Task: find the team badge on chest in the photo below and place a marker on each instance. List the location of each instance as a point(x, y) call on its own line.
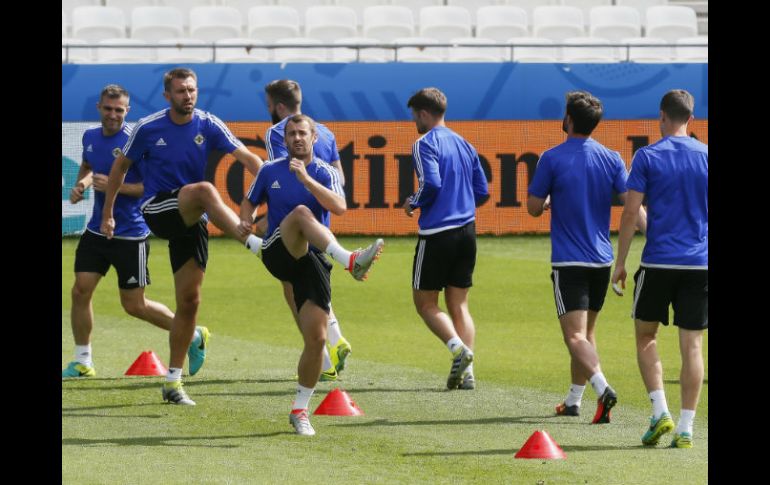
point(199, 139)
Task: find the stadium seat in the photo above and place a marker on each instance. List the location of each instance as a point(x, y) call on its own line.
point(529, 49)
point(615, 23)
point(128, 6)
point(586, 5)
point(641, 6)
point(692, 54)
point(185, 6)
point(68, 6)
point(529, 5)
point(182, 50)
point(359, 6)
point(501, 22)
point(671, 22)
point(415, 6)
point(255, 53)
point(388, 22)
point(299, 54)
point(598, 50)
point(270, 22)
point(557, 23)
point(330, 22)
point(371, 54)
point(471, 6)
point(124, 55)
point(419, 54)
point(445, 23)
point(477, 54)
point(244, 6)
point(155, 23)
point(215, 22)
point(654, 50)
point(301, 6)
point(72, 54)
point(93, 24)
point(64, 25)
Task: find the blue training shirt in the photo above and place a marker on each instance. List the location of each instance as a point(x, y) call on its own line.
point(581, 176)
point(280, 188)
point(451, 181)
point(170, 155)
point(99, 152)
point(673, 173)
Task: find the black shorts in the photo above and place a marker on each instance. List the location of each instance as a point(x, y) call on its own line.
point(310, 275)
point(164, 220)
point(579, 288)
point(96, 253)
point(686, 290)
point(444, 259)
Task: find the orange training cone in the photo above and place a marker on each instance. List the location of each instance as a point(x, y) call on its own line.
point(338, 403)
point(541, 445)
point(147, 364)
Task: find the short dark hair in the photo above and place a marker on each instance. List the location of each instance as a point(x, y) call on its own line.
point(431, 100)
point(298, 118)
point(678, 105)
point(113, 91)
point(585, 110)
point(286, 92)
point(178, 73)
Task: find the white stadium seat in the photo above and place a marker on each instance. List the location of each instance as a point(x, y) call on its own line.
point(155, 23)
point(416, 5)
point(72, 54)
point(68, 6)
point(243, 6)
point(586, 5)
point(254, 53)
point(185, 6)
point(128, 6)
point(477, 54)
point(501, 22)
point(472, 6)
point(299, 54)
point(183, 50)
point(615, 23)
point(215, 22)
point(371, 54)
point(359, 6)
point(529, 5)
point(445, 23)
point(301, 6)
point(419, 54)
point(124, 55)
point(330, 22)
point(388, 22)
point(596, 50)
point(692, 54)
point(641, 6)
point(557, 23)
point(64, 25)
point(654, 50)
point(271, 22)
point(671, 22)
point(533, 49)
point(93, 24)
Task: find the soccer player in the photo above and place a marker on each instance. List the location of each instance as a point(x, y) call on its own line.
point(577, 180)
point(127, 251)
point(284, 100)
point(299, 190)
point(451, 185)
point(171, 148)
point(673, 174)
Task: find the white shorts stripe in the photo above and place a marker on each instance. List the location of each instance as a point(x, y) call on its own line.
point(418, 264)
point(142, 265)
point(639, 284)
point(557, 294)
point(273, 237)
point(166, 205)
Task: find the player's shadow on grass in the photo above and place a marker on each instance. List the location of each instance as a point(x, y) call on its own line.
point(513, 451)
point(169, 440)
point(676, 381)
point(131, 384)
point(439, 422)
point(359, 390)
point(76, 412)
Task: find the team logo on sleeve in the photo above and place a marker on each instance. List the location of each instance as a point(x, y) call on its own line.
point(90, 148)
point(116, 152)
point(199, 139)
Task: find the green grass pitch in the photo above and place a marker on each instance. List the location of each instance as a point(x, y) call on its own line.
point(116, 429)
